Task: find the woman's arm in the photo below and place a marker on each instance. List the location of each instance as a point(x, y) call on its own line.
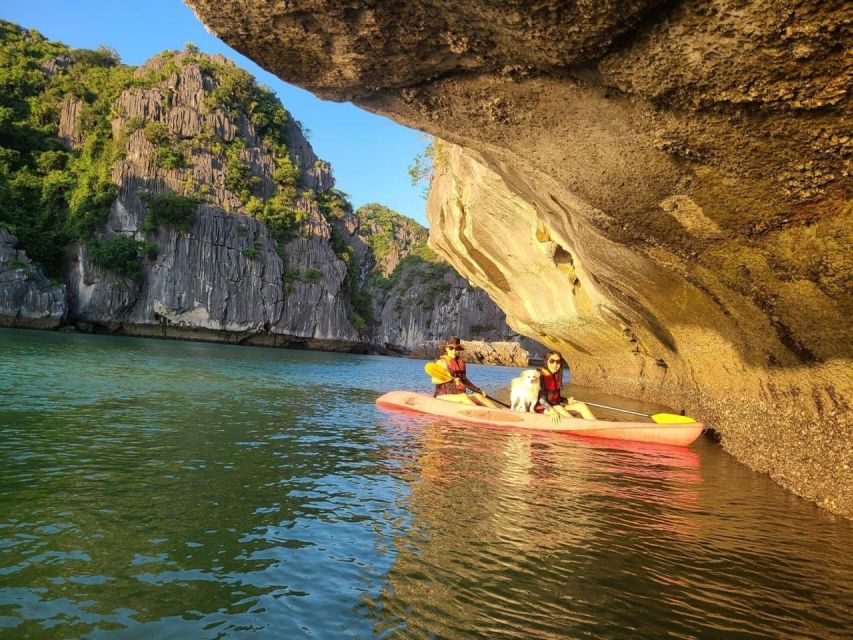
point(543, 399)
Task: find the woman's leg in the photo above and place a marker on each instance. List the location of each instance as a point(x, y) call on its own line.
point(479, 398)
point(460, 398)
point(581, 408)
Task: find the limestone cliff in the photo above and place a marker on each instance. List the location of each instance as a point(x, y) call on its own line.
point(660, 189)
point(27, 298)
point(226, 277)
point(415, 298)
point(180, 199)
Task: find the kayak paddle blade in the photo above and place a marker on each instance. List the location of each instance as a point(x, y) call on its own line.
point(671, 418)
point(437, 373)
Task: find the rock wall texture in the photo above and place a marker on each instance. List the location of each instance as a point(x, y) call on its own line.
point(659, 189)
point(426, 305)
point(417, 302)
point(271, 253)
point(225, 278)
point(27, 298)
point(508, 354)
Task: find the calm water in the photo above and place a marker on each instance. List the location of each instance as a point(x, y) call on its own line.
point(156, 489)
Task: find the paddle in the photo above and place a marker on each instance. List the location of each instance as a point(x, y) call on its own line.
point(440, 375)
point(660, 418)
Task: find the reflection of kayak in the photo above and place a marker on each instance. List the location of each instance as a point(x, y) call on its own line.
point(676, 434)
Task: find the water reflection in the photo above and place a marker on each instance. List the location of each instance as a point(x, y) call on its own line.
point(165, 489)
point(530, 535)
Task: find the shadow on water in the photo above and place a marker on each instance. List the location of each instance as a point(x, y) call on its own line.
point(166, 489)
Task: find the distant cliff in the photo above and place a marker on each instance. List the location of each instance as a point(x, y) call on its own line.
point(180, 199)
point(410, 297)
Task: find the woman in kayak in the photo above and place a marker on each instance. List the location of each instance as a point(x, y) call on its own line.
point(550, 385)
point(455, 390)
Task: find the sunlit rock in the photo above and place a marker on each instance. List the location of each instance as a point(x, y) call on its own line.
point(660, 190)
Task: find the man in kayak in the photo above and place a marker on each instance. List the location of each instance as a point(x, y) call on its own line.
point(551, 403)
point(455, 390)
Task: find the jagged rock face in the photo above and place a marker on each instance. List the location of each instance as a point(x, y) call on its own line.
point(418, 303)
point(223, 279)
point(425, 306)
point(661, 190)
point(27, 297)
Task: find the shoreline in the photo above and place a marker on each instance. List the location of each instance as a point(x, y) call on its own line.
point(252, 339)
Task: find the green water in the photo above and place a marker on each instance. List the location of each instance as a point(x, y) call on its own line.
point(158, 489)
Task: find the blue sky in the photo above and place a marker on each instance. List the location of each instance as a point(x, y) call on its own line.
point(370, 155)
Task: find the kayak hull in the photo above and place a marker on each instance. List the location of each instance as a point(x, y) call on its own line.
point(669, 434)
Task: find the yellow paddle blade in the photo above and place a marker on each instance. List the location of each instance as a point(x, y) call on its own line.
point(671, 418)
point(437, 373)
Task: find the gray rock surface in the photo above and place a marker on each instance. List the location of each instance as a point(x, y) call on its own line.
point(425, 307)
point(225, 278)
point(27, 297)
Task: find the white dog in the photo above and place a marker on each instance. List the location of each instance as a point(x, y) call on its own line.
point(525, 390)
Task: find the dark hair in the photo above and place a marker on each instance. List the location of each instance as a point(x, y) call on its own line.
point(554, 353)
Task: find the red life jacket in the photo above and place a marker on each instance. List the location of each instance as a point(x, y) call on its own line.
point(551, 385)
point(456, 366)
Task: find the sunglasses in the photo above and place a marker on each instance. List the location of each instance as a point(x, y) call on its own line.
point(450, 348)
point(552, 361)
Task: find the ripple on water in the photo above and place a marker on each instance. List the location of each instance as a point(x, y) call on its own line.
point(160, 489)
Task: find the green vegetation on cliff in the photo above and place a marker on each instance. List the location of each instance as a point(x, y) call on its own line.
point(50, 196)
point(171, 210)
point(122, 254)
point(238, 94)
point(387, 231)
point(58, 190)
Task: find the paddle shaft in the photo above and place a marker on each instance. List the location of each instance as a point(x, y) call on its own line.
point(505, 406)
point(478, 390)
point(605, 406)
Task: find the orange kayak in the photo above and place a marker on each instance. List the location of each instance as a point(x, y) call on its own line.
point(670, 434)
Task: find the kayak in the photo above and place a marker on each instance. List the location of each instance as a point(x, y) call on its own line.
point(671, 434)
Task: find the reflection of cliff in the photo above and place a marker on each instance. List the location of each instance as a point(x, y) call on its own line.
point(673, 177)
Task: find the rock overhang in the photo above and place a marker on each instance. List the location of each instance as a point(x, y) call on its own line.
point(674, 176)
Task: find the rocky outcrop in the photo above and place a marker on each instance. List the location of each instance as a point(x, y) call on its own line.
point(69, 122)
point(508, 354)
point(416, 298)
point(659, 189)
point(225, 278)
point(27, 298)
point(428, 302)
